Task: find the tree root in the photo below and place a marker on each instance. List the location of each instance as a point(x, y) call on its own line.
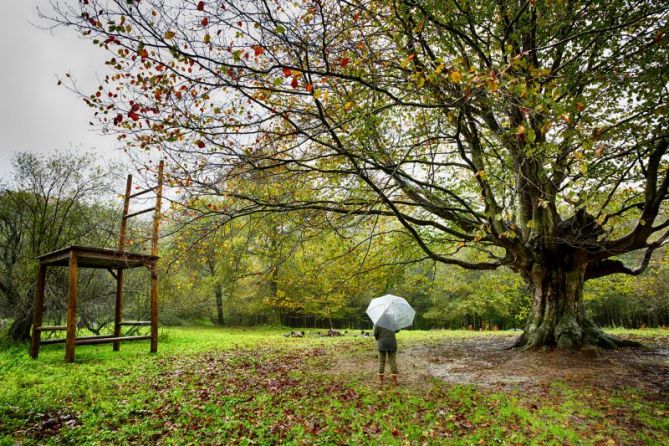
point(592, 337)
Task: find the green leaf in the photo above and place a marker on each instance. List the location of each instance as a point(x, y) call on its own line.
point(530, 135)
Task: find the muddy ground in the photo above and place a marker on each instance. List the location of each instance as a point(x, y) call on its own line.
point(487, 362)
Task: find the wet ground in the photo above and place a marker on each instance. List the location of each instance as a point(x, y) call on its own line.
point(487, 361)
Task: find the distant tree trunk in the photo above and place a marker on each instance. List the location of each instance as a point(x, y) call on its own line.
point(219, 305)
point(274, 292)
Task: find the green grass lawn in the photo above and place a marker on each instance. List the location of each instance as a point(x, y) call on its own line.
point(218, 386)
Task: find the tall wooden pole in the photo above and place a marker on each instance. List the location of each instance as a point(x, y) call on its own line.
point(39, 311)
point(154, 263)
point(124, 219)
point(71, 308)
point(154, 306)
point(118, 309)
point(156, 218)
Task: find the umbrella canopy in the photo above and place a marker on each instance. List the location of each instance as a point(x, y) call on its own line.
point(391, 312)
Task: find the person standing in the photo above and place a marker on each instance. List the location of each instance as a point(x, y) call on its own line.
point(386, 344)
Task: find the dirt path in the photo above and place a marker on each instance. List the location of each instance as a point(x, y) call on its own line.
point(486, 362)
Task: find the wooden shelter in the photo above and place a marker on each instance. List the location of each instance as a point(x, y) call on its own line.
point(114, 261)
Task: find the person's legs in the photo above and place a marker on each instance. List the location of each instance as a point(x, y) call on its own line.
point(382, 365)
point(392, 361)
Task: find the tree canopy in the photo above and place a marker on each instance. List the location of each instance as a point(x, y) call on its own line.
point(530, 134)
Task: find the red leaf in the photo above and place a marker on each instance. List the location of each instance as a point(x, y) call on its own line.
point(118, 119)
point(134, 116)
point(200, 6)
point(294, 84)
point(205, 21)
point(200, 144)
point(345, 61)
point(287, 71)
point(257, 50)
point(309, 88)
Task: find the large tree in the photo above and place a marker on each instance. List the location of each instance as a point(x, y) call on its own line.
point(527, 134)
point(51, 201)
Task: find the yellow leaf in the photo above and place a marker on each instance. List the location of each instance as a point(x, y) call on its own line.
point(207, 38)
point(455, 77)
point(169, 35)
point(317, 94)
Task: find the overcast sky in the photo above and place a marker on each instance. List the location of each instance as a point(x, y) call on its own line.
point(35, 114)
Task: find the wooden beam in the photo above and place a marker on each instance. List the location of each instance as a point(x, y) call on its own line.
point(113, 339)
point(111, 271)
point(145, 191)
point(62, 340)
point(52, 328)
point(143, 211)
point(101, 339)
point(39, 311)
point(71, 308)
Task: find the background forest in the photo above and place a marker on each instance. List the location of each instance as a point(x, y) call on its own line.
point(291, 269)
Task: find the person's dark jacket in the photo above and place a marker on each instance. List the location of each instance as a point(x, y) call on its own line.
point(385, 339)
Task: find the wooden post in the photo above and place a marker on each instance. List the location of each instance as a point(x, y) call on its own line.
point(39, 311)
point(118, 309)
point(124, 218)
point(154, 306)
point(154, 263)
point(71, 307)
point(156, 218)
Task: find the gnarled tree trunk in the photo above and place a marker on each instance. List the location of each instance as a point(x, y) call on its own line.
point(558, 317)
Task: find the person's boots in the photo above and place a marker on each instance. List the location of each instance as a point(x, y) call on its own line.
point(380, 375)
point(393, 379)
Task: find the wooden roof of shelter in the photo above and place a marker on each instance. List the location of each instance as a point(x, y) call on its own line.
point(97, 258)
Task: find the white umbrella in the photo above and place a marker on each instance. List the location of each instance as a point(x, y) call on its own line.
point(391, 312)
